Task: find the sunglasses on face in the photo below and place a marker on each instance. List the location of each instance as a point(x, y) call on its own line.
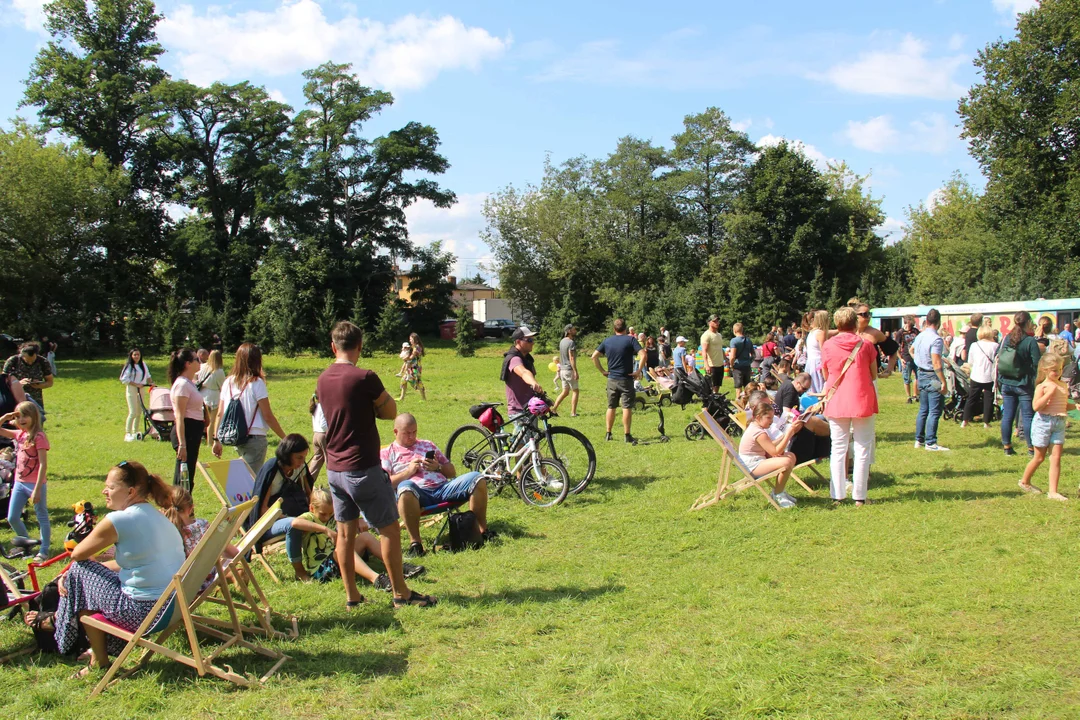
point(863, 314)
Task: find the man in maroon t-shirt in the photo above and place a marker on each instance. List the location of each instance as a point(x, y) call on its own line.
point(351, 400)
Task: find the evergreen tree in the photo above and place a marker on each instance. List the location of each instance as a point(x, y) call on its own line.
point(390, 329)
point(466, 336)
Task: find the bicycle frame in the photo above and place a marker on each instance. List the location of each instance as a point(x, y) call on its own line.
point(527, 451)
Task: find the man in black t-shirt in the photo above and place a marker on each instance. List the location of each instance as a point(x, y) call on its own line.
point(971, 335)
point(904, 337)
point(620, 349)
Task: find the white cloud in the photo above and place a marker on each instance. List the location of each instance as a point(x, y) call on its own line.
point(405, 54)
point(904, 71)
point(459, 228)
point(931, 134)
point(875, 135)
point(278, 96)
point(892, 230)
point(820, 160)
point(1014, 7)
point(31, 14)
point(956, 42)
point(742, 125)
point(935, 198)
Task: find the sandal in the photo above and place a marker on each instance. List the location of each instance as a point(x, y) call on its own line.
point(860, 503)
point(352, 604)
point(416, 599)
point(84, 671)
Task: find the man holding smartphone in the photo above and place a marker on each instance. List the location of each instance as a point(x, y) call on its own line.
point(423, 476)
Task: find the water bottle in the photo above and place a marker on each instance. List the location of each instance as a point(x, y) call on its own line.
point(184, 474)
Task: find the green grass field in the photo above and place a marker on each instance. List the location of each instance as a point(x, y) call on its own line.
point(955, 597)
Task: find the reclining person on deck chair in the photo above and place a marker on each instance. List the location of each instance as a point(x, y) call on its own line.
point(422, 476)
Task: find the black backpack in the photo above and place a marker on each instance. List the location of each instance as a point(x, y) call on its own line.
point(234, 426)
point(463, 532)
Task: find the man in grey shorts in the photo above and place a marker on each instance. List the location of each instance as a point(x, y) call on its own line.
point(568, 371)
point(620, 349)
point(351, 400)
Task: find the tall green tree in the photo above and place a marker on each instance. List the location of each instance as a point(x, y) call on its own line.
point(430, 288)
point(710, 159)
point(1022, 122)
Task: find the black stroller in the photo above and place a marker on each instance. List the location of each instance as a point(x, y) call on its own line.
point(689, 386)
point(959, 383)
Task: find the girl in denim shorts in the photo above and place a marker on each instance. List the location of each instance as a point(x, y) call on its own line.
point(1050, 403)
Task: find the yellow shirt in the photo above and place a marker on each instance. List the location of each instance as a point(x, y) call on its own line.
point(713, 344)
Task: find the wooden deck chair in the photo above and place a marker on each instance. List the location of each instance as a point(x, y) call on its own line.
point(254, 599)
point(233, 481)
point(175, 608)
point(739, 418)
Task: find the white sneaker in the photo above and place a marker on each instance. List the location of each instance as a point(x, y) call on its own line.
point(128, 437)
point(792, 500)
point(937, 448)
point(918, 444)
point(782, 501)
point(555, 485)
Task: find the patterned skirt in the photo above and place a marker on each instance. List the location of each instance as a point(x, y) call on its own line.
point(94, 587)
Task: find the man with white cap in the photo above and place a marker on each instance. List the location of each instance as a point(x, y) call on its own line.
point(568, 370)
point(519, 371)
point(678, 355)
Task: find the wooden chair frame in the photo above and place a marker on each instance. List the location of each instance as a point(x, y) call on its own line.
point(182, 592)
point(207, 472)
point(243, 579)
point(739, 419)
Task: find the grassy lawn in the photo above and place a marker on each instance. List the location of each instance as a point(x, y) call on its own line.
point(950, 599)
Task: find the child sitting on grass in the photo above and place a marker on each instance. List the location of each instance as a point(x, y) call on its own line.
point(318, 561)
point(1051, 402)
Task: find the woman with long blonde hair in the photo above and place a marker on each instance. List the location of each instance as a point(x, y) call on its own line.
point(815, 339)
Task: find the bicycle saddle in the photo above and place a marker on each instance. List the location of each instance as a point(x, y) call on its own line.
point(477, 410)
point(24, 542)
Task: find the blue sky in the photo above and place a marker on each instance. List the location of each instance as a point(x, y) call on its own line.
point(874, 84)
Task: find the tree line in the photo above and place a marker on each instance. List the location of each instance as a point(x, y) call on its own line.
point(711, 224)
point(172, 211)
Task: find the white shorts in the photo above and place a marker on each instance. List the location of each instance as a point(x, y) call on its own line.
point(567, 375)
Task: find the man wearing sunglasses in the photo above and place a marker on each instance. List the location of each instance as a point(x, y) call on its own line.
point(519, 371)
point(32, 371)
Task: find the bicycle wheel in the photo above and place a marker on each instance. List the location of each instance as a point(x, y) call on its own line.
point(466, 446)
point(575, 452)
point(545, 486)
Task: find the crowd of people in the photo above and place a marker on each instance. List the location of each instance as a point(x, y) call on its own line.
point(831, 361)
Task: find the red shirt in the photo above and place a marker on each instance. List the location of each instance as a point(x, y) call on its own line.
point(347, 395)
point(855, 397)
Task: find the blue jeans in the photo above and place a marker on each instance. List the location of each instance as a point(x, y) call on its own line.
point(930, 405)
point(458, 489)
point(907, 368)
point(1011, 397)
point(20, 495)
point(294, 541)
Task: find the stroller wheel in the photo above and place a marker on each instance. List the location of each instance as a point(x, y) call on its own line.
point(664, 439)
point(694, 431)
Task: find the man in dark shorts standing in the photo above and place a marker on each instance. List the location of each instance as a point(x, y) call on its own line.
point(351, 400)
point(741, 356)
point(620, 349)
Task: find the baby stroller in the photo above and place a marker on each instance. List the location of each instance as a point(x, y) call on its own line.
point(958, 385)
point(695, 385)
point(158, 418)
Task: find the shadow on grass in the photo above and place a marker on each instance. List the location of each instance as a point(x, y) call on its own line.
point(951, 495)
point(375, 614)
point(527, 595)
point(637, 482)
point(513, 530)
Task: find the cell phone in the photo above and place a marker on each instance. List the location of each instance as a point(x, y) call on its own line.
point(430, 455)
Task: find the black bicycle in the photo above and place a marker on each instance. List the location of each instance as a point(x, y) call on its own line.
point(565, 444)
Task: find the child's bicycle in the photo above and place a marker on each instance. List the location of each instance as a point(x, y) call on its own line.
point(511, 459)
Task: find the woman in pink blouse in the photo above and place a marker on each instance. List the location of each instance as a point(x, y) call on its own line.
point(189, 423)
point(851, 409)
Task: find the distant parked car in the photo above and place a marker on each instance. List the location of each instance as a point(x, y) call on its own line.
point(448, 329)
point(500, 328)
